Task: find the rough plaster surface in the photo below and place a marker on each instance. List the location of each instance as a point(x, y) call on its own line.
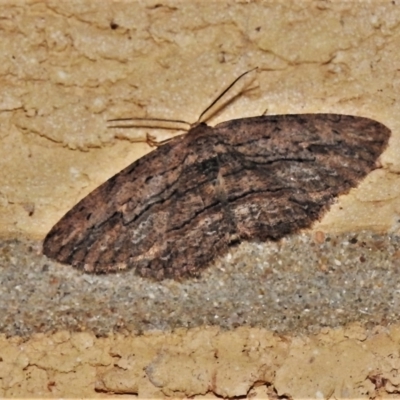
point(204, 363)
point(67, 67)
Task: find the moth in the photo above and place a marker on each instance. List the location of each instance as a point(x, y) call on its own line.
point(173, 211)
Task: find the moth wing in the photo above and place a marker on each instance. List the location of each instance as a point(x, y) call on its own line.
point(91, 235)
point(150, 216)
point(282, 172)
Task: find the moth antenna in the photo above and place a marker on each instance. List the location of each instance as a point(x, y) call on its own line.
point(222, 94)
point(150, 123)
point(147, 123)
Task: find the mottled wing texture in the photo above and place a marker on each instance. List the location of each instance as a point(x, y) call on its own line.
point(161, 215)
point(283, 172)
point(169, 214)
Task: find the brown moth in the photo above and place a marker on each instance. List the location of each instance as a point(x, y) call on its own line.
point(173, 211)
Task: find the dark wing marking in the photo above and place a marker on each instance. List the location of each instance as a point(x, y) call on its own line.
point(289, 168)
